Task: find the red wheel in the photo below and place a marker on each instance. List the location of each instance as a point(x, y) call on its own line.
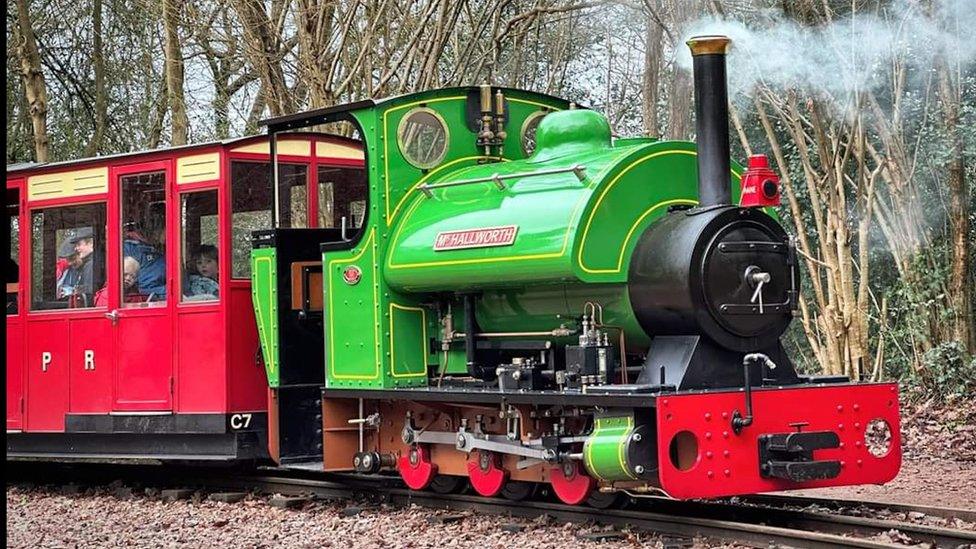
point(570, 483)
point(486, 473)
point(416, 468)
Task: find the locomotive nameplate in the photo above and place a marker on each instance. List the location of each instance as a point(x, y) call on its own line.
point(487, 237)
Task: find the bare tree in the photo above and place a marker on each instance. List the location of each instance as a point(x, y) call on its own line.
point(179, 121)
point(652, 68)
point(35, 87)
point(960, 282)
point(101, 93)
point(680, 89)
point(265, 50)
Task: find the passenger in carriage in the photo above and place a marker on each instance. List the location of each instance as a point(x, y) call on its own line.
point(130, 292)
point(84, 286)
point(203, 285)
point(68, 270)
point(152, 263)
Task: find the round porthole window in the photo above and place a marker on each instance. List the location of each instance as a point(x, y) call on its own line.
point(528, 131)
point(422, 137)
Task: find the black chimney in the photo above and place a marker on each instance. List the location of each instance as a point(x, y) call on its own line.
point(712, 119)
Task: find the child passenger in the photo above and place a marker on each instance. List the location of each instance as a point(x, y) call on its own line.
point(203, 284)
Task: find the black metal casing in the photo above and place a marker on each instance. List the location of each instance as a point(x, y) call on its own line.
point(688, 277)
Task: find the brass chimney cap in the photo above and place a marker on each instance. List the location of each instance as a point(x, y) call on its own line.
point(705, 45)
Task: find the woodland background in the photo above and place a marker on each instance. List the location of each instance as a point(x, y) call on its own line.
point(867, 108)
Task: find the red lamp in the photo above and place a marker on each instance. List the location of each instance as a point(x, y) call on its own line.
point(759, 184)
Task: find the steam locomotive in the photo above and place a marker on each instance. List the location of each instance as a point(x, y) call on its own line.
point(525, 300)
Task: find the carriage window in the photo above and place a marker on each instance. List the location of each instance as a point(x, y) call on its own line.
point(12, 275)
point(198, 245)
point(143, 257)
point(342, 194)
point(251, 200)
point(67, 257)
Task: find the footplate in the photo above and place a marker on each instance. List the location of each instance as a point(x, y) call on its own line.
point(789, 456)
point(806, 437)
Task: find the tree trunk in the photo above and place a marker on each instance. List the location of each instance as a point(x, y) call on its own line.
point(652, 68)
point(35, 88)
point(101, 95)
point(263, 51)
point(959, 280)
point(174, 73)
point(680, 92)
point(315, 25)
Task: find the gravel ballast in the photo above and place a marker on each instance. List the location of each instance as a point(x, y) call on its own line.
point(45, 517)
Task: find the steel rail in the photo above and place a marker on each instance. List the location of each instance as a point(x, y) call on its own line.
point(753, 523)
point(720, 521)
point(801, 500)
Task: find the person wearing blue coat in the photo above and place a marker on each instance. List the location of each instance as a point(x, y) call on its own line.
point(152, 272)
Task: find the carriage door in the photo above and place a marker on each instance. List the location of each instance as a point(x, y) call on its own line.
point(140, 303)
point(15, 314)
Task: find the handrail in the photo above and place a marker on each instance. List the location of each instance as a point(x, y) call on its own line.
point(499, 180)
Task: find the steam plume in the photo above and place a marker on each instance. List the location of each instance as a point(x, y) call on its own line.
point(854, 53)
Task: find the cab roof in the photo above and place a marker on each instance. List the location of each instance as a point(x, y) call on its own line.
point(324, 115)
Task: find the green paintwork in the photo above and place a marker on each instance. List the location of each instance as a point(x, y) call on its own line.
point(544, 307)
point(568, 230)
point(377, 336)
point(264, 298)
point(573, 243)
point(571, 234)
point(604, 452)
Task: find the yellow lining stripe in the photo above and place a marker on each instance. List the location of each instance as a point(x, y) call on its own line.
point(434, 172)
point(423, 341)
point(588, 450)
point(569, 229)
point(606, 190)
point(368, 244)
point(534, 103)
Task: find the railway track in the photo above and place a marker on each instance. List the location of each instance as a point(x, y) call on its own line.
point(760, 521)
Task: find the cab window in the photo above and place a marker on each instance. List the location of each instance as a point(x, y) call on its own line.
point(200, 259)
point(67, 257)
point(251, 205)
point(342, 195)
